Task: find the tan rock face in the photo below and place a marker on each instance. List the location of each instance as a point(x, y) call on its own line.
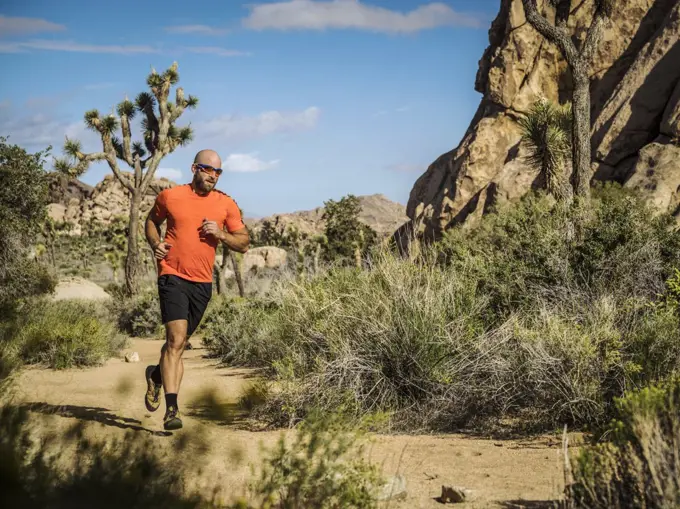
point(657, 174)
point(103, 203)
point(630, 118)
point(670, 125)
point(635, 89)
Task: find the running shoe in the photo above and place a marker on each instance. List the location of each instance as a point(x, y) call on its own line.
point(172, 419)
point(152, 398)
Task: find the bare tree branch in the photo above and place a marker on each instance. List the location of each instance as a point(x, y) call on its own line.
point(595, 33)
point(127, 142)
point(556, 35)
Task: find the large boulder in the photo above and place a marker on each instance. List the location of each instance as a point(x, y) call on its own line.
point(635, 78)
point(264, 257)
point(79, 288)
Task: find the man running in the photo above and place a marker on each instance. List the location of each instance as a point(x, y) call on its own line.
point(197, 216)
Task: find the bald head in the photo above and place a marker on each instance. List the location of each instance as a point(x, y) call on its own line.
point(209, 157)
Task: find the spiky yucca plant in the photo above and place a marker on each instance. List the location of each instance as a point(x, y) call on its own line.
point(160, 137)
point(546, 134)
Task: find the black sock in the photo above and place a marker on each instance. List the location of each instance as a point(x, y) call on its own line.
point(171, 400)
point(156, 376)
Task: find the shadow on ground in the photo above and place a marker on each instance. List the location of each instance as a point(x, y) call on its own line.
point(530, 504)
point(93, 414)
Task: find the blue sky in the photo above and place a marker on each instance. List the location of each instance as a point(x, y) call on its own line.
point(304, 100)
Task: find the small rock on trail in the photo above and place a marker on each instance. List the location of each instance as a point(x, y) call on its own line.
point(454, 495)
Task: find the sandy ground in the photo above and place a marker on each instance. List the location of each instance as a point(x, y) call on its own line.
point(109, 401)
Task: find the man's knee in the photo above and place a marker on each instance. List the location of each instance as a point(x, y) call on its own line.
point(175, 344)
point(176, 337)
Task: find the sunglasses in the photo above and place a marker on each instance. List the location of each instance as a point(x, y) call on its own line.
point(206, 168)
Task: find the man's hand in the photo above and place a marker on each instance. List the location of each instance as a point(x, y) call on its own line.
point(211, 228)
point(161, 250)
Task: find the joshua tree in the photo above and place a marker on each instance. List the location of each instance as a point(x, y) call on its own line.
point(115, 235)
point(546, 134)
point(51, 232)
point(577, 59)
point(161, 137)
point(318, 243)
point(218, 270)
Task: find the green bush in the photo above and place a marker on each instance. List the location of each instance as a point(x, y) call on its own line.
point(23, 208)
point(138, 316)
point(615, 244)
point(639, 464)
point(502, 321)
point(235, 329)
point(314, 471)
point(61, 334)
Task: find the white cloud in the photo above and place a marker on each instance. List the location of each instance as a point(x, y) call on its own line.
point(270, 122)
point(169, 173)
point(247, 163)
point(344, 14)
point(196, 29)
point(23, 26)
point(40, 44)
point(220, 52)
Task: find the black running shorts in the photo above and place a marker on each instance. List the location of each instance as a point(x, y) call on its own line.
point(183, 300)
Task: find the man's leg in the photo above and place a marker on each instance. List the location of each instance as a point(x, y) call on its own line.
point(174, 304)
point(172, 367)
point(172, 370)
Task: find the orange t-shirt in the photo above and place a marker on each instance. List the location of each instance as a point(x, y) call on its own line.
point(190, 255)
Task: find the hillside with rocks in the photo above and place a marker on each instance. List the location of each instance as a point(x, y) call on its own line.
point(635, 112)
point(76, 202)
point(377, 211)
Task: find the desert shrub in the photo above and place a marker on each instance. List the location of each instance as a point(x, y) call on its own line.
point(321, 468)
point(615, 244)
point(62, 334)
point(23, 208)
point(508, 321)
point(639, 464)
point(412, 341)
point(138, 316)
point(236, 330)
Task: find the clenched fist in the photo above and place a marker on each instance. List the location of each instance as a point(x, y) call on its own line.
point(210, 228)
point(161, 250)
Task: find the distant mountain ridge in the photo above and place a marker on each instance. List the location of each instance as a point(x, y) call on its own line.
point(77, 202)
point(378, 212)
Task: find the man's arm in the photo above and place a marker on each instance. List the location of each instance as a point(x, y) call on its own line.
point(152, 229)
point(238, 241)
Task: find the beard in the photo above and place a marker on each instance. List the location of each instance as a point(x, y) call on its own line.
point(203, 186)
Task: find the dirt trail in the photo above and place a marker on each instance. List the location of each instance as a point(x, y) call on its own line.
point(109, 400)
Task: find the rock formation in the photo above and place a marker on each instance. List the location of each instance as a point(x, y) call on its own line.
point(78, 203)
point(635, 110)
